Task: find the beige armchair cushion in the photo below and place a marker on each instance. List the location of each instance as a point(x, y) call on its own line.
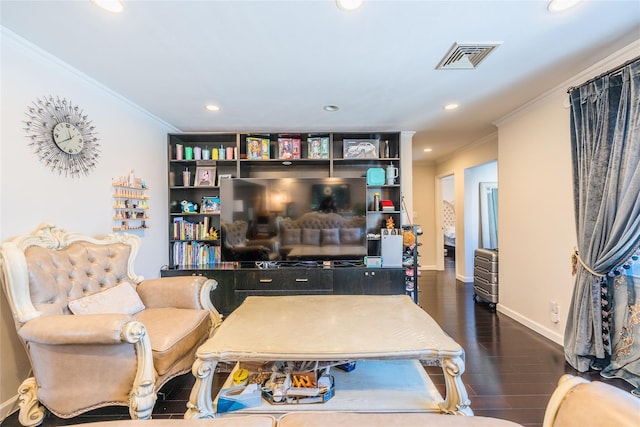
point(173, 332)
point(121, 298)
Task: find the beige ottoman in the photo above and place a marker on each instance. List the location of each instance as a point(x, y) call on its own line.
point(350, 419)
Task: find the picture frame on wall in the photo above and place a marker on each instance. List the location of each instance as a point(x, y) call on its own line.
point(205, 176)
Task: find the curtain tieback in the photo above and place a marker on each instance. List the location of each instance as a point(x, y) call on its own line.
point(575, 259)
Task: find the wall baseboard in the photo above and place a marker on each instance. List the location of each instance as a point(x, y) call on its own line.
point(9, 407)
point(465, 279)
point(534, 326)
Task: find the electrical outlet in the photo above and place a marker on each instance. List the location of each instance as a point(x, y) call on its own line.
point(554, 312)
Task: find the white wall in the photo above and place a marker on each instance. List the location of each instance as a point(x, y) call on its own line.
point(536, 214)
point(448, 189)
point(424, 212)
point(31, 194)
point(483, 151)
point(473, 176)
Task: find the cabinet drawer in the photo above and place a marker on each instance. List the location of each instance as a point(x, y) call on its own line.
point(368, 281)
point(290, 280)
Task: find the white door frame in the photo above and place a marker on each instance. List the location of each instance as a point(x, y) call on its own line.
point(439, 219)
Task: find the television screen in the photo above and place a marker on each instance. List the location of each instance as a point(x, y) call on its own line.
point(264, 202)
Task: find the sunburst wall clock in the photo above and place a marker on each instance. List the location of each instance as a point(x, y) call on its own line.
point(62, 137)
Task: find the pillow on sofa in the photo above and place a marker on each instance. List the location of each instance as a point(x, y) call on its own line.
point(310, 236)
point(350, 236)
point(291, 236)
point(121, 298)
point(330, 236)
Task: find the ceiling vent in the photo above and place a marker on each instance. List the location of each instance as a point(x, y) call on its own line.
point(466, 56)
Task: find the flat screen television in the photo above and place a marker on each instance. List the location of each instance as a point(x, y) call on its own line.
point(262, 202)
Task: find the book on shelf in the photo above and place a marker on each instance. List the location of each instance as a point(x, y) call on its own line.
point(186, 230)
point(387, 205)
point(195, 254)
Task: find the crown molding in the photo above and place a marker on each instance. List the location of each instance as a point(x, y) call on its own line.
point(7, 35)
point(626, 53)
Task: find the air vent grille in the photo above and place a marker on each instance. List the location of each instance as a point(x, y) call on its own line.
point(464, 56)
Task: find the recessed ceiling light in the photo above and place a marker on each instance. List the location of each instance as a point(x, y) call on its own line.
point(348, 4)
point(451, 106)
point(428, 150)
point(331, 108)
point(212, 107)
point(114, 6)
point(560, 5)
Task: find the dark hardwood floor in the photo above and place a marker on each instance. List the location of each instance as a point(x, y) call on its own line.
point(510, 370)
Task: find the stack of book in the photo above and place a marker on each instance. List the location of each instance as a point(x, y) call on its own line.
point(387, 206)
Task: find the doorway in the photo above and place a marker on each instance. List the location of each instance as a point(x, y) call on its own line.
point(448, 220)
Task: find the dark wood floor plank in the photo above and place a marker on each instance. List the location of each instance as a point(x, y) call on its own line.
point(510, 370)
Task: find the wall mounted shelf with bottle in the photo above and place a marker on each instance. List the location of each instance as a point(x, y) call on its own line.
point(130, 203)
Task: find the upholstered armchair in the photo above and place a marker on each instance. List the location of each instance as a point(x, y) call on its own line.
point(96, 333)
point(236, 246)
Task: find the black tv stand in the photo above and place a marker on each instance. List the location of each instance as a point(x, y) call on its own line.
point(237, 280)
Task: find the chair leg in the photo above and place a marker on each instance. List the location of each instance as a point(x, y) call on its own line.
point(142, 397)
point(141, 401)
point(31, 411)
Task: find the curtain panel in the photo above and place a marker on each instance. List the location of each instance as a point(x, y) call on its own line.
point(605, 143)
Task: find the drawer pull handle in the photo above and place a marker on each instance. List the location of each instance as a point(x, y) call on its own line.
point(302, 280)
point(266, 280)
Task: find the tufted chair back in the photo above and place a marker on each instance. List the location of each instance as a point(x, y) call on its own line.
point(81, 269)
point(235, 233)
point(320, 221)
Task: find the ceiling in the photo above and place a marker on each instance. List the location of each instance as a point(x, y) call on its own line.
point(274, 65)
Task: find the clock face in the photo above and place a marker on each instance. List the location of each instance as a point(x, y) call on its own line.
point(61, 136)
point(68, 138)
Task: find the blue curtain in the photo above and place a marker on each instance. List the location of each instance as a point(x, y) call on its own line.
point(605, 142)
point(624, 290)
